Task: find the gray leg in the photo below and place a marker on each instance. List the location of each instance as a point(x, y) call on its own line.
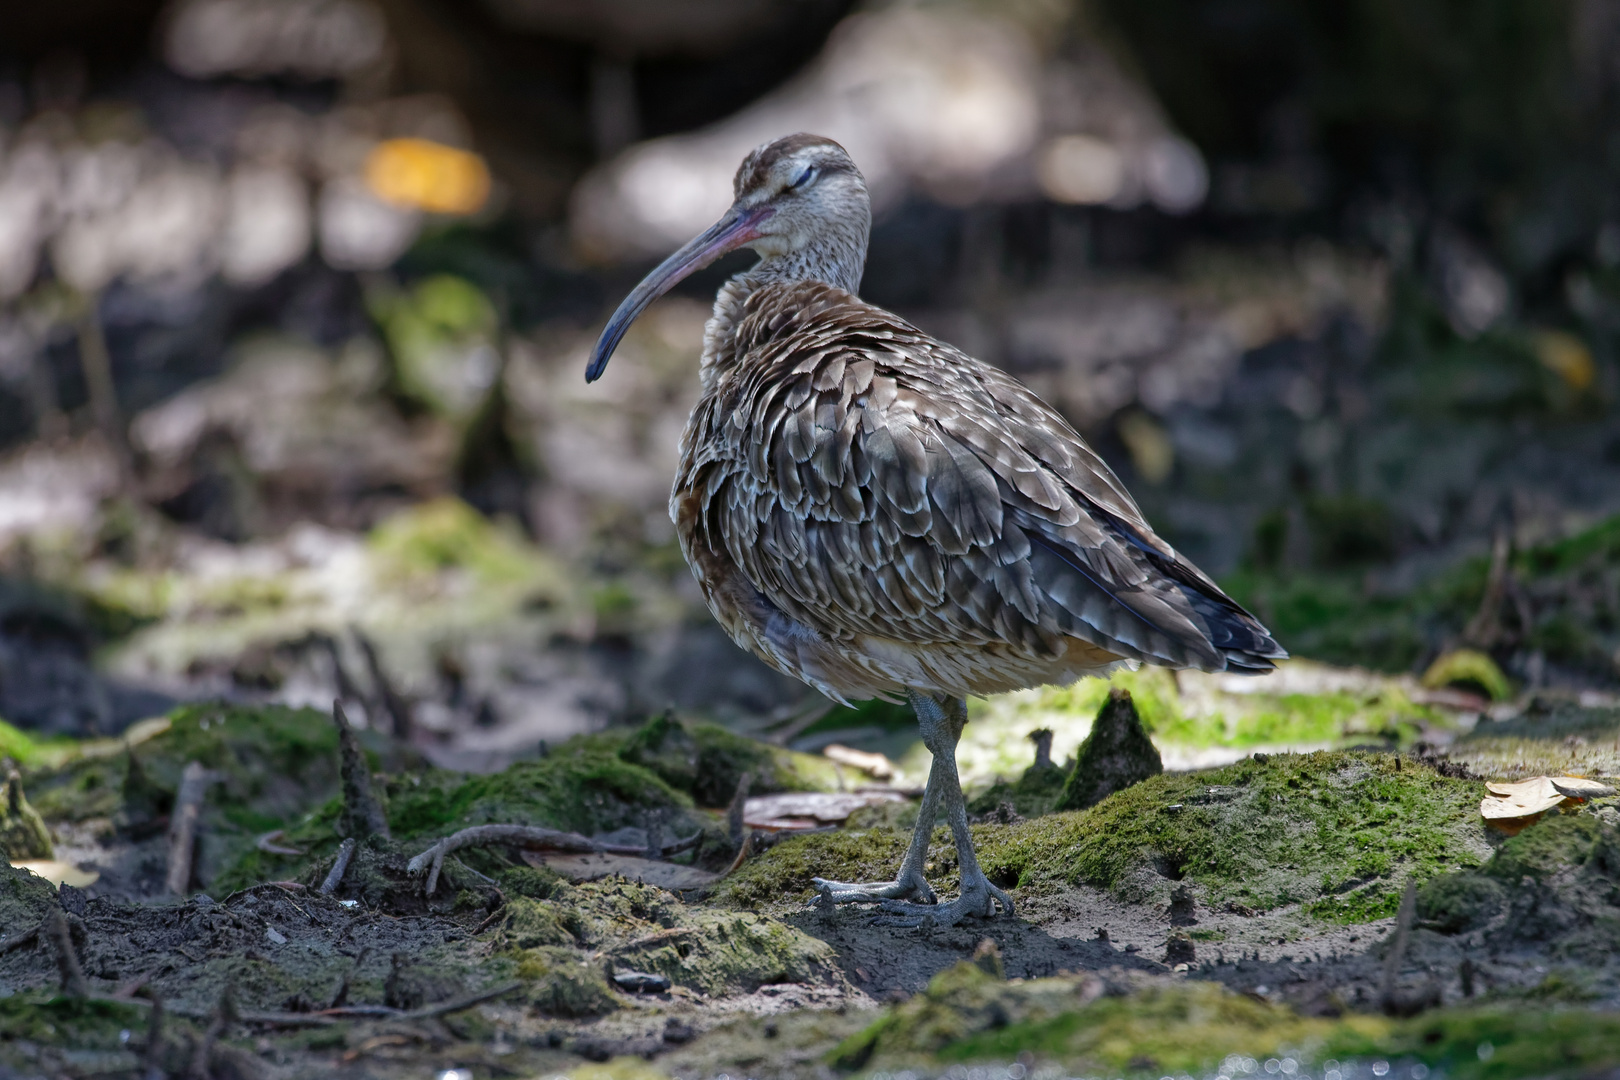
point(941, 730)
point(909, 883)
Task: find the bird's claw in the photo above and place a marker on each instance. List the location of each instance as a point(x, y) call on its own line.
point(979, 899)
point(905, 888)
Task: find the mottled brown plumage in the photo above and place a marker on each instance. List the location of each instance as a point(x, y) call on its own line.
point(878, 514)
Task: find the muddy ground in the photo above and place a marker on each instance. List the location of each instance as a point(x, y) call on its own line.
point(1248, 910)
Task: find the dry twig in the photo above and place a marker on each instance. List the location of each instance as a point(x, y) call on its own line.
point(340, 866)
point(525, 836)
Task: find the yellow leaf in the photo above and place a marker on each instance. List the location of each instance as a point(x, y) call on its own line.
point(1566, 356)
point(428, 176)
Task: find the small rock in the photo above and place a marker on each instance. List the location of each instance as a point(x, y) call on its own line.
point(1178, 949)
point(1261, 759)
point(640, 982)
point(276, 936)
point(678, 1032)
point(71, 899)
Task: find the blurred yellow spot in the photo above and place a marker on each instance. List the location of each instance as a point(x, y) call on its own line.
point(1566, 356)
point(1149, 446)
point(428, 176)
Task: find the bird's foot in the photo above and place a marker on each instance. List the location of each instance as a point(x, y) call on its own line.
point(907, 887)
point(979, 900)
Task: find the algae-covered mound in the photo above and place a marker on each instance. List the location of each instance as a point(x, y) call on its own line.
point(1107, 1025)
point(641, 928)
point(706, 761)
point(579, 787)
point(1557, 884)
point(1114, 756)
point(1337, 831)
point(1117, 1024)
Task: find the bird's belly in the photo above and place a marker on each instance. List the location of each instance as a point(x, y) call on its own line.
point(865, 665)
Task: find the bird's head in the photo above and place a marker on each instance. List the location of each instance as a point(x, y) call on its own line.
point(800, 202)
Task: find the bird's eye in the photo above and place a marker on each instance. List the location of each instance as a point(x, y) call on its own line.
point(805, 177)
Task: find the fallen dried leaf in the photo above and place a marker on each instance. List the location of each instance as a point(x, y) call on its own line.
point(877, 766)
point(1510, 807)
point(1578, 787)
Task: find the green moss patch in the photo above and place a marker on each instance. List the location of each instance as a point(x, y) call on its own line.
point(1556, 884)
point(1151, 1027)
point(706, 761)
point(784, 871)
point(614, 924)
point(1337, 831)
point(1161, 1027)
point(577, 787)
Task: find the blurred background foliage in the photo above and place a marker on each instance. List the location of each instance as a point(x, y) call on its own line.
point(293, 291)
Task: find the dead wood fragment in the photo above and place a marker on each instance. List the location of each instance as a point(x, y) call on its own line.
point(654, 940)
point(525, 836)
point(194, 783)
point(388, 699)
point(340, 866)
point(67, 958)
point(362, 816)
point(455, 1005)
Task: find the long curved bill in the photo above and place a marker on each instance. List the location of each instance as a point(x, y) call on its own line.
point(732, 231)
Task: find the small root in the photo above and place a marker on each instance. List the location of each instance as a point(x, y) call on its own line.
point(534, 837)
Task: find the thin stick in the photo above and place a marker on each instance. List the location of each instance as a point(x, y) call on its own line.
point(525, 836)
point(183, 826)
point(361, 814)
point(67, 960)
point(445, 1008)
point(340, 866)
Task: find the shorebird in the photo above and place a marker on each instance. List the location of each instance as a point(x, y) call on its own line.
point(880, 515)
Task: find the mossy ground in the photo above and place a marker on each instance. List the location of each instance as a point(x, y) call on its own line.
point(1330, 836)
point(1339, 832)
point(1126, 1026)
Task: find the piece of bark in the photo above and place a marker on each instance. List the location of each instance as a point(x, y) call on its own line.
point(362, 816)
point(183, 824)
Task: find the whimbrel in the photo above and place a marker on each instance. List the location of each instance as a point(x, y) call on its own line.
point(880, 515)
